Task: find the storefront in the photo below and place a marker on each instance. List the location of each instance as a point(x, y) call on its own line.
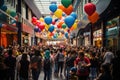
point(8, 35)
point(112, 33)
point(97, 38)
point(86, 38)
point(27, 34)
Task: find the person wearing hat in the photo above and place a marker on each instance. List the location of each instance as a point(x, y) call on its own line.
point(73, 75)
point(47, 65)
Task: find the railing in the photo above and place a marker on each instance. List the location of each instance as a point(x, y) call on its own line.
point(6, 18)
point(24, 21)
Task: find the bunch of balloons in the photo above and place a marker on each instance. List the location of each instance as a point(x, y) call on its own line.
point(90, 10)
point(61, 21)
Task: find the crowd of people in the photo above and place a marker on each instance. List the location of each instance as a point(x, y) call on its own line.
point(74, 63)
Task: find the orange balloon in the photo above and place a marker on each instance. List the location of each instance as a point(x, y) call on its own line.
point(72, 28)
point(68, 10)
point(60, 24)
point(61, 7)
point(94, 17)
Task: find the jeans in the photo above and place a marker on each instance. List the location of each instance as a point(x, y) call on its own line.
point(47, 74)
point(35, 74)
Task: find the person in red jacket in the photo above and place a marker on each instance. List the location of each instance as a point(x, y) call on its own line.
point(82, 63)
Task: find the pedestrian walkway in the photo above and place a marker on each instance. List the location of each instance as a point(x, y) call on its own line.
point(41, 77)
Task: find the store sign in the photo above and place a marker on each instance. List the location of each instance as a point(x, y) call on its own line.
point(86, 34)
point(27, 29)
point(97, 34)
point(112, 31)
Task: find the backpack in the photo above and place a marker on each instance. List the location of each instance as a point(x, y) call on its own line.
point(47, 64)
point(35, 61)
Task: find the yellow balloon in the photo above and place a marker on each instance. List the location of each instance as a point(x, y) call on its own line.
point(47, 27)
point(41, 19)
point(75, 26)
point(58, 13)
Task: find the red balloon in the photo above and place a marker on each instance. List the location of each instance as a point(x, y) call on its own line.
point(90, 8)
point(41, 26)
point(34, 18)
point(53, 22)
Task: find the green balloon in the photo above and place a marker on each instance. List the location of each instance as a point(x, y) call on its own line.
point(13, 13)
point(64, 26)
point(66, 3)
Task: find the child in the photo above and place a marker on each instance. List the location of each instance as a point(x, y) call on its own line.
point(73, 75)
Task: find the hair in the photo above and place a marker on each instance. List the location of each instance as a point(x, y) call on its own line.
point(81, 54)
point(37, 52)
point(24, 57)
point(10, 52)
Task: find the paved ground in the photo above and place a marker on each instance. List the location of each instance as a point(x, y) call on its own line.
point(60, 77)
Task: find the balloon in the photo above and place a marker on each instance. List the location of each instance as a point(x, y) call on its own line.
point(68, 10)
point(51, 34)
point(51, 28)
point(69, 21)
point(73, 14)
point(36, 29)
point(41, 19)
point(89, 8)
point(61, 7)
point(66, 3)
point(48, 20)
point(4, 7)
point(94, 17)
point(47, 27)
point(13, 13)
point(8, 11)
point(53, 22)
point(38, 23)
point(58, 13)
point(74, 26)
point(34, 18)
point(64, 26)
point(53, 7)
point(41, 26)
point(60, 24)
point(66, 35)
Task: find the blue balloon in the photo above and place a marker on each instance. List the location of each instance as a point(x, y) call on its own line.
point(51, 28)
point(53, 7)
point(36, 29)
point(54, 36)
point(48, 20)
point(69, 21)
point(4, 7)
point(66, 35)
point(73, 14)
